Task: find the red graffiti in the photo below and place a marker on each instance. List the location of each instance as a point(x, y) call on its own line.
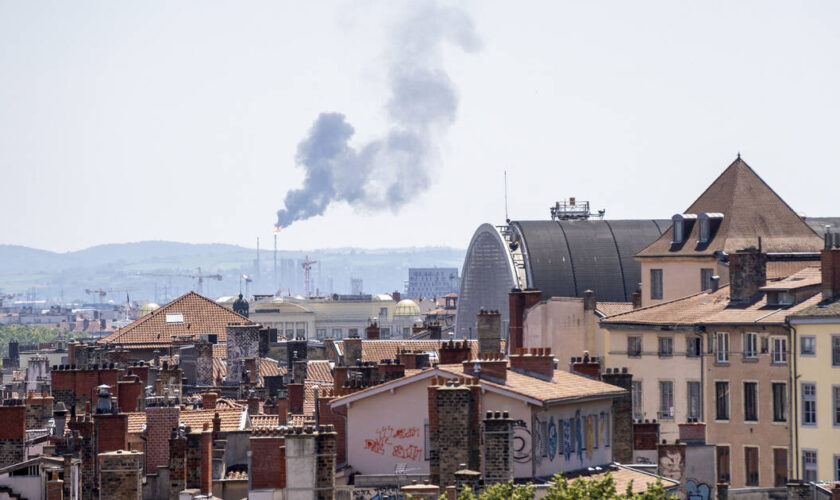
point(411, 453)
point(383, 439)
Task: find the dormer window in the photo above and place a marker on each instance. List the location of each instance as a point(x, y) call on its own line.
point(682, 226)
point(707, 221)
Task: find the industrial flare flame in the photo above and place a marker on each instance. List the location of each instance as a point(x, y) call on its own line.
point(277, 229)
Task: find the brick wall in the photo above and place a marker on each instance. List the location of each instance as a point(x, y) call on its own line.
point(295, 398)
point(453, 352)
point(489, 331)
point(206, 484)
point(830, 264)
point(518, 302)
point(111, 432)
point(622, 410)
point(177, 464)
point(493, 366)
point(159, 424)
point(55, 488)
point(12, 435)
point(328, 417)
point(454, 439)
point(645, 436)
point(498, 449)
point(268, 459)
point(86, 430)
point(39, 409)
point(122, 475)
point(325, 463)
point(352, 350)
point(128, 392)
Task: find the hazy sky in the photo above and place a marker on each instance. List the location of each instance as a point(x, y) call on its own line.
point(128, 121)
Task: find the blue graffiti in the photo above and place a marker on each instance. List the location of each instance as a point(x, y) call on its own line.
point(697, 491)
point(579, 435)
point(567, 439)
point(552, 439)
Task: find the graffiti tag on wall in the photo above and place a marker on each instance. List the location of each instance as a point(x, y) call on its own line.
point(387, 442)
point(564, 438)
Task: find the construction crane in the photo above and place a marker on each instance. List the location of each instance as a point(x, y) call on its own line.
point(307, 267)
point(197, 276)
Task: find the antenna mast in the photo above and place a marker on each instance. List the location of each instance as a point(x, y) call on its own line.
point(507, 219)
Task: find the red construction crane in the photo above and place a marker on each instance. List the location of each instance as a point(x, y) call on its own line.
point(199, 276)
point(307, 267)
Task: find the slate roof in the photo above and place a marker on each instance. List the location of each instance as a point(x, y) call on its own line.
point(750, 209)
point(201, 315)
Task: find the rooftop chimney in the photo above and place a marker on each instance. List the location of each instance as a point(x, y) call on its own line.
point(747, 274)
point(519, 301)
point(490, 366)
point(533, 361)
point(489, 331)
point(830, 261)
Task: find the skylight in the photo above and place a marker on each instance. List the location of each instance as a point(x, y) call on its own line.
point(174, 318)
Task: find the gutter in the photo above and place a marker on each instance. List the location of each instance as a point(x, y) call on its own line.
point(794, 428)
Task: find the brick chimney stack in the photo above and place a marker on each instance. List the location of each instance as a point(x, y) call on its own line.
point(830, 263)
point(519, 301)
point(295, 396)
point(489, 331)
point(454, 436)
point(622, 410)
point(747, 274)
point(352, 350)
point(454, 352)
point(534, 361)
point(490, 366)
point(208, 399)
point(267, 459)
point(372, 331)
point(591, 367)
point(498, 452)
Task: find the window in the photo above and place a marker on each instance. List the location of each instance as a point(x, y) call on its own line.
point(835, 350)
point(780, 468)
point(751, 462)
point(634, 346)
point(809, 465)
point(693, 346)
point(321, 333)
point(694, 400)
point(809, 403)
point(666, 399)
point(837, 467)
point(835, 404)
point(808, 346)
point(706, 279)
point(426, 440)
point(779, 350)
point(678, 230)
point(636, 392)
point(723, 464)
point(337, 333)
point(722, 400)
point(666, 346)
point(353, 332)
point(750, 345)
point(607, 419)
point(779, 402)
point(656, 284)
point(385, 332)
point(750, 401)
point(704, 230)
point(383, 314)
point(722, 347)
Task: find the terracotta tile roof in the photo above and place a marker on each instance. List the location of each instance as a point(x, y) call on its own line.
point(564, 385)
point(708, 308)
point(319, 371)
point(265, 421)
point(810, 276)
point(299, 420)
point(268, 367)
point(377, 350)
point(778, 269)
point(200, 315)
point(750, 209)
point(136, 421)
point(220, 351)
point(822, 309)
point(231, 418)
point(611, 308)
point(227, 404)
point(624, 475)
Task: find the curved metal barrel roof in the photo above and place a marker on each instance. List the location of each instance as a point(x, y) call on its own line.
point(565, 258)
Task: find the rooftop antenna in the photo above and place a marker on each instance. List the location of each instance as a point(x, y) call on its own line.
point(507, 219)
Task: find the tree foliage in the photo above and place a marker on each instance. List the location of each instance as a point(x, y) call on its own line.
point(30, 335)
point(580, 489)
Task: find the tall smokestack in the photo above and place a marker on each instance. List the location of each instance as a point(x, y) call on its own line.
point(388, 172)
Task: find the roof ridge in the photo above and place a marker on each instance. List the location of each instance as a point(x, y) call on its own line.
point(139, 321)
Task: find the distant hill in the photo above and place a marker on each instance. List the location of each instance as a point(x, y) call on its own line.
point(50, 275)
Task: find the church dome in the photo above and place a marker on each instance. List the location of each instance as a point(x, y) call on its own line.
point(407, 307)
point(147, 308)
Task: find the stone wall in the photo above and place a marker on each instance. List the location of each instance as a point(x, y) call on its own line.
point(121, 475)
point(325, 463)
point(204, 363)
point(489, 331)
point(12, 435)
point(243, 341)
point(177, 464)
point(39, 410)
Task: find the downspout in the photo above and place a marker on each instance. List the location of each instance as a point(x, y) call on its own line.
point(794, 428)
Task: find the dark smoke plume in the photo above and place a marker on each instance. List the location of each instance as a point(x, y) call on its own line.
point(388, 172)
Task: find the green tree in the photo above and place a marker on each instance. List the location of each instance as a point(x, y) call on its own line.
point(601, 489)
point(31, 335)
point(508, 490)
